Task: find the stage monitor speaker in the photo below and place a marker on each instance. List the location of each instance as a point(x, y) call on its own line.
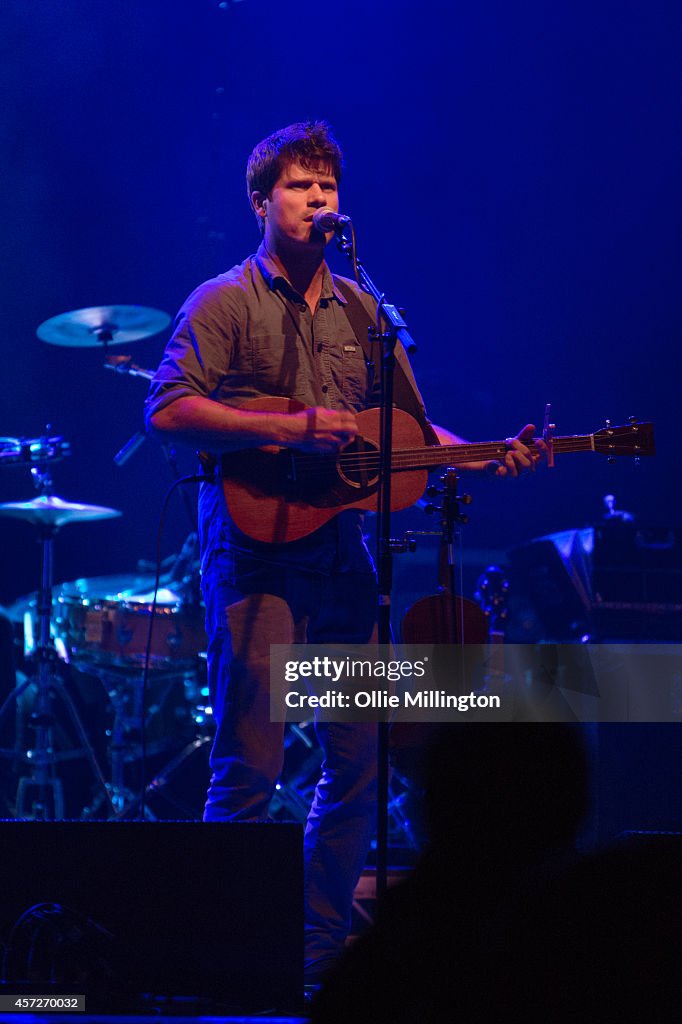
point(151, 914)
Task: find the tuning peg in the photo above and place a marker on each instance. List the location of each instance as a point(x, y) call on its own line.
point(465, 499)
point(463, 520)
point(431, 508)
point(432, 491)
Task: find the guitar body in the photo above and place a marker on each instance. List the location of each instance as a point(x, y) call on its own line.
point(277, 495)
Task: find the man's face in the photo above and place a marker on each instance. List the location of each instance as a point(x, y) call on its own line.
point(288, 210)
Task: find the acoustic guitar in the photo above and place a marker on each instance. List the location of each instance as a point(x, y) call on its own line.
point(276, 495)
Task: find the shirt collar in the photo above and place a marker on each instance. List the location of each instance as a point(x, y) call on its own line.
point(275, 278)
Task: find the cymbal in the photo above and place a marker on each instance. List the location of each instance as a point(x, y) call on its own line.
point(103, 325)
point(48, 510)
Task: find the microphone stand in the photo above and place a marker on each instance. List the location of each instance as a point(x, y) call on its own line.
point(396, 329)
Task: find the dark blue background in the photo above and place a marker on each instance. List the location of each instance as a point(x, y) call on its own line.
point(512, 171)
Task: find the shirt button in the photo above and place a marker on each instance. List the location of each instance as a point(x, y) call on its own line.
point(325, 389)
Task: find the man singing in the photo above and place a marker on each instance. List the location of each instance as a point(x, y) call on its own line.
point(280, 324)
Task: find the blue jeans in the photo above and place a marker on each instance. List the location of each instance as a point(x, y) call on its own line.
point(244, 616)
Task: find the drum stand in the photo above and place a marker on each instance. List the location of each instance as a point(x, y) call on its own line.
point(40, 795)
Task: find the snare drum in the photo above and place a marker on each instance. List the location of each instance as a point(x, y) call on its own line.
point(113, 633)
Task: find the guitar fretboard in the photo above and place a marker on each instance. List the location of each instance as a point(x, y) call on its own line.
point(460, 454)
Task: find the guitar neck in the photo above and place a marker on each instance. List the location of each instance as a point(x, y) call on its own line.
point(460, 454)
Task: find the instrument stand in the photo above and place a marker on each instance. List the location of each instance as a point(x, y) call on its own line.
point(451, 517)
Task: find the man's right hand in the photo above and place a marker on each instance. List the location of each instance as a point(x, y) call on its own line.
point(322, 430)
point(204, 423)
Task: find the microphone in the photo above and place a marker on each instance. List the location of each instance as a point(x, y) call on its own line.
point(326, 220)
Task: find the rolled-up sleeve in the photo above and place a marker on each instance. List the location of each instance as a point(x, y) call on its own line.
point(199, 352)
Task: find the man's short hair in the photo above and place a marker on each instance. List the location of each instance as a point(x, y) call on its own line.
point(308, 143)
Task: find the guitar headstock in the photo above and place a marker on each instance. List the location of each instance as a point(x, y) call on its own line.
point(634, 439)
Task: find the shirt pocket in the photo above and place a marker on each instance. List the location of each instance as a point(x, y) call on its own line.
point(355, 383)
point(278, 366)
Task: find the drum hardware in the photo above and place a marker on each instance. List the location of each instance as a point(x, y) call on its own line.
point(99, 629)
point(296, 785)
point(125, 365)
point(166, 791)
point(180, 778)
point(23, 450)
point(40, 794)
point(124, 742)
point(173, 720)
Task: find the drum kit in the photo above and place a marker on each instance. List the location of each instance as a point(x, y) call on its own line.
point(91, 637)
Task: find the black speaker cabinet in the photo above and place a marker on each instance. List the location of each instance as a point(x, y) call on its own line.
point(193, 914)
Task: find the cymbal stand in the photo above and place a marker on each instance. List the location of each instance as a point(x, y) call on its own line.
point(40, 795)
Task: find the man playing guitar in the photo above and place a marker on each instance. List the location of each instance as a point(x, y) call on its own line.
point(278, 326)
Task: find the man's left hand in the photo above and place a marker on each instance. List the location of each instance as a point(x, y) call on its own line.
point(525, 452)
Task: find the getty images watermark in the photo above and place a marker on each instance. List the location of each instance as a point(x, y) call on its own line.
point(441, 683)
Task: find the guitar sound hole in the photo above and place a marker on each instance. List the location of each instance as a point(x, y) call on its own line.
point(358, 464)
